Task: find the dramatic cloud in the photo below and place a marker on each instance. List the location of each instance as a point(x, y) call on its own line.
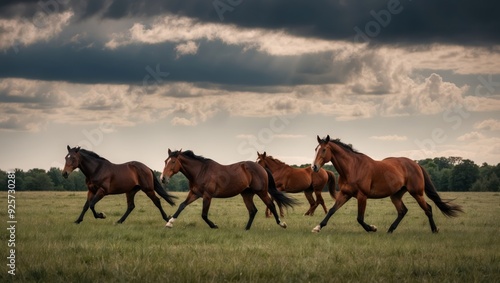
point(17, 33)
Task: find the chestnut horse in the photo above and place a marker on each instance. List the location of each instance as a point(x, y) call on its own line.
point(296, 180)
point(362, 177)
point(209, 179)
point(105, 178)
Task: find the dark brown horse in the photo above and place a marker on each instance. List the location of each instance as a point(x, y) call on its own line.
point(296, 180)
point(362, 177)
point(105, 178)
point(209, 179)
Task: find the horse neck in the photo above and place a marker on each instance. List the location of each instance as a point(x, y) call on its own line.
point(343, 160)
point(275, 165)
point(190, 167)
point(90, 165)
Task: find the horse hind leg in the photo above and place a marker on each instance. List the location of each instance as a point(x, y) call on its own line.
point(130, 204)
point(270, 204)
point(401, 209)
point(252, 209)
point(157, 202)
point(428, 211)
point(312, 204)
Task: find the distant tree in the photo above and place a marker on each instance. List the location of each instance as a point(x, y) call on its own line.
point(3, 180)
point(37, 180)
point(75, 182)
point(55, 175)
point(444, 180)
point(20, 176)
point(464, 175)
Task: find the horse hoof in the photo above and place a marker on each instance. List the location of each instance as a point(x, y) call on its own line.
point(283, 225)
point(169, 225)
point(436, 231)
point(374, 228)
point(316, 229)
point(102, 215)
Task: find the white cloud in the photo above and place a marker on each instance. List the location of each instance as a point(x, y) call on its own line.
point(188, 48)
point(172, 28)
point(471, 136)
point(15, 32)
point(390, 138)
point(489, 125)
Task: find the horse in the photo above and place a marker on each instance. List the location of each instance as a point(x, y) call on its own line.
point(296, 180)
point(362, 177)
point(105, 178)
point(209, 179)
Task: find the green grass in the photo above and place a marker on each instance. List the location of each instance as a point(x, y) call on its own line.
point(51, 248)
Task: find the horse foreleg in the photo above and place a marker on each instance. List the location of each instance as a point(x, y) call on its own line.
point(90, 196)
point(361, 214)
point(207, 199)
point(97, 197)
point(85, 208)
point(130, 204)
point(339, 202)
point(189, 199)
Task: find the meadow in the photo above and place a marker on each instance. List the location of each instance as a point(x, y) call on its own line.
point(51, 248)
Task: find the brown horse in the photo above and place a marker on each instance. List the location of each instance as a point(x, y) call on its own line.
point(209, 179)
point(362, 177)
point(105, 178)
point(296, 180)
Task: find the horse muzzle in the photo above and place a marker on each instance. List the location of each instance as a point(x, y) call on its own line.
point(315, 167)
point(65, 175)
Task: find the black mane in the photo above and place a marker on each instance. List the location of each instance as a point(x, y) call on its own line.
point(345, 146)
point(92, 154)
point(189, 154)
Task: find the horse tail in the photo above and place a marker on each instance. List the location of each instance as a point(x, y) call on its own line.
point(331, 184)
point(164, 194)
point(448, 209)
point(279, 197)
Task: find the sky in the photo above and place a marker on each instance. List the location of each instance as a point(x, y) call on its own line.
point(227, 78)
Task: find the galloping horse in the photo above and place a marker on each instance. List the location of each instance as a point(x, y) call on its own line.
point(362, 177)
point(105, 178)
point(209, 179)
point(296, 180)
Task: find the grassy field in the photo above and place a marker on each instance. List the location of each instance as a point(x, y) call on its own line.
point(51, 248)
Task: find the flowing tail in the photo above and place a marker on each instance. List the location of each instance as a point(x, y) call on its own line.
point(164, 194)
point(448, 209)
point(280, 198)
point(331, 184)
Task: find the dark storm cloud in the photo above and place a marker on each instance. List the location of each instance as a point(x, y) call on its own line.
point(215, 62)
point(385, 21)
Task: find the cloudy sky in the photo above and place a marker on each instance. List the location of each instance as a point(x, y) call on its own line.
point(225, 78)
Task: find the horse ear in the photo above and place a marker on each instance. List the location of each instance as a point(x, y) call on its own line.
point(180, 150)
point(319, 140)
point(169, 151)
point(327, 138)
point(77, 149)
point(69, 148)
point(264, 154)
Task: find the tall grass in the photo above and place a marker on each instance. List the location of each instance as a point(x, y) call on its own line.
point(51, 248)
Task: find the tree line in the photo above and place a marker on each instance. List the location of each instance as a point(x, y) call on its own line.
point(447, 174)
